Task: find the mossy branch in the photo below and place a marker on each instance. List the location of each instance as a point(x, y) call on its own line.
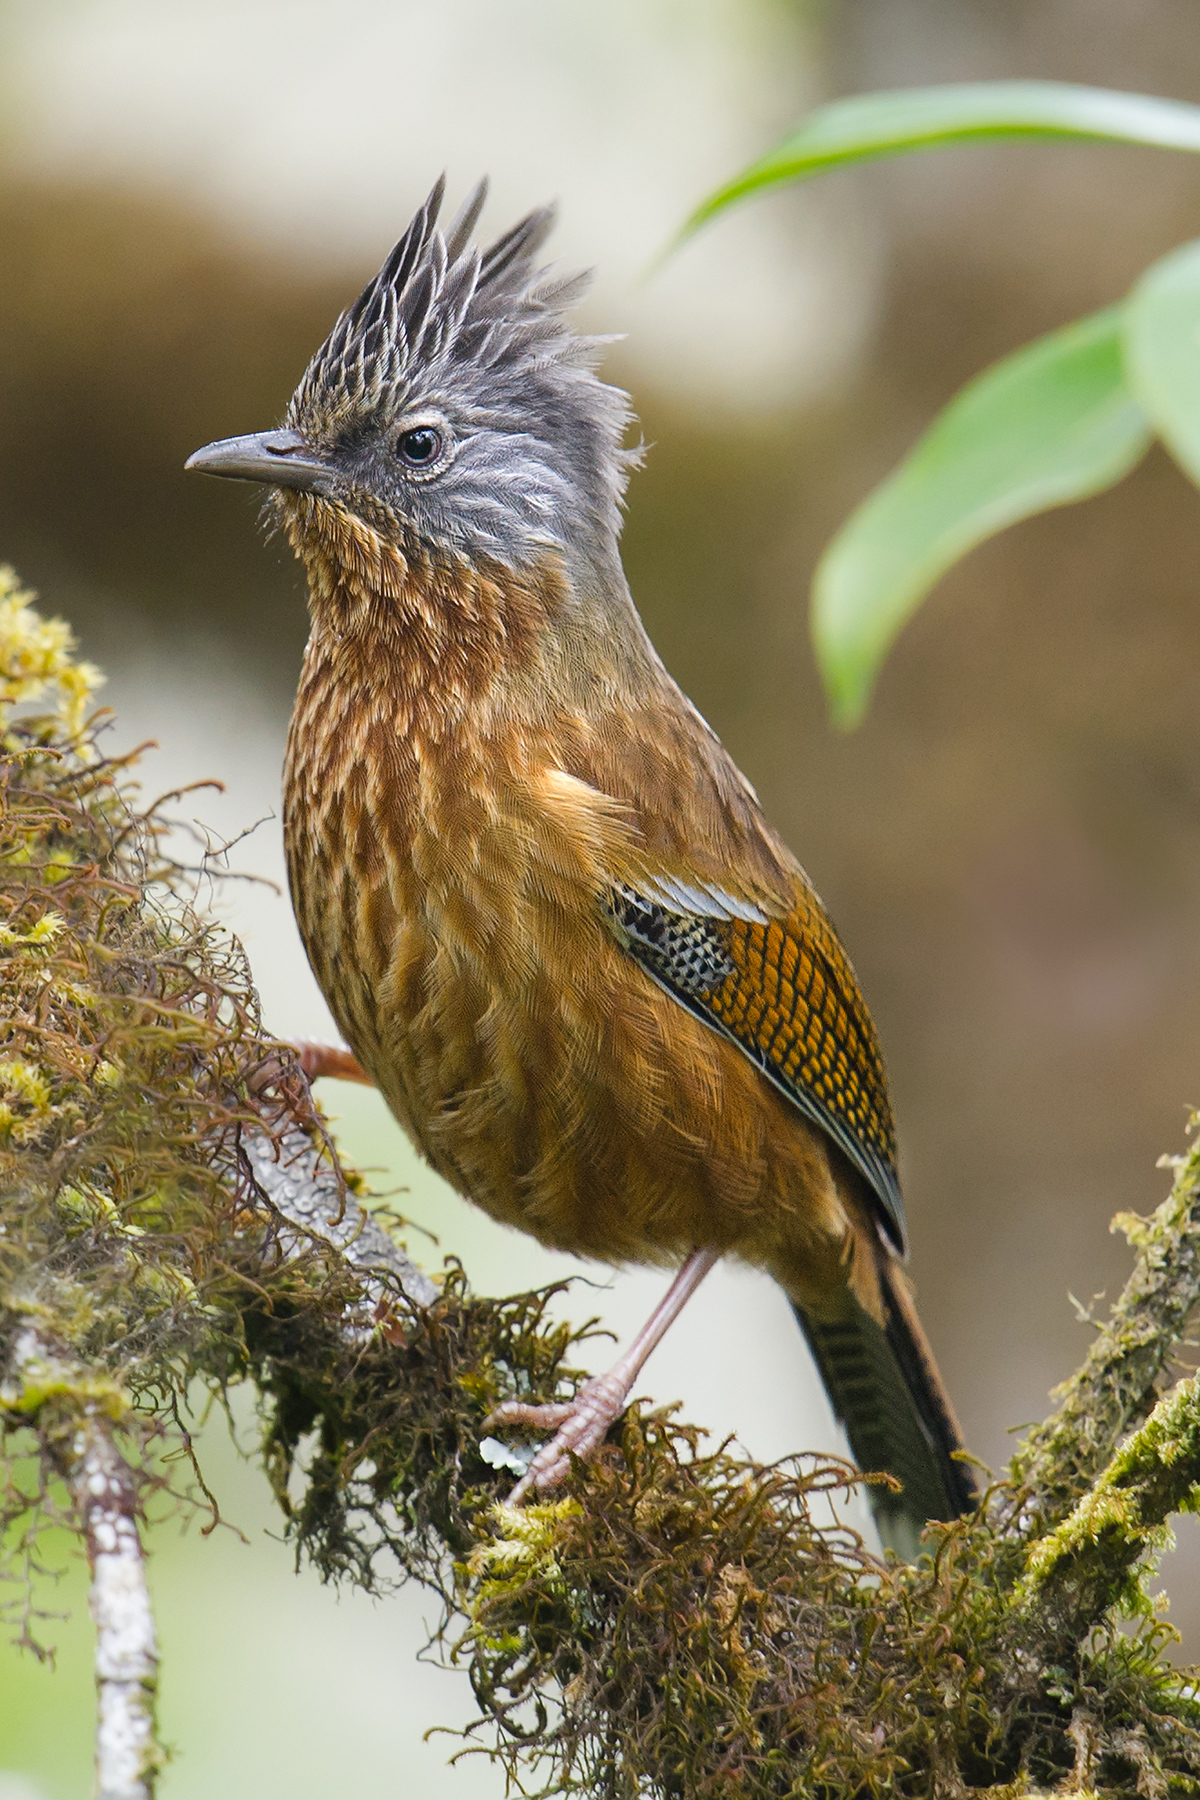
point(1072, 1571)
point(676, 1623)
point(1117, 1385)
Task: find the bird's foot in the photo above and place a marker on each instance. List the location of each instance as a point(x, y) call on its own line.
point(579, 1425)
point(329, 1059)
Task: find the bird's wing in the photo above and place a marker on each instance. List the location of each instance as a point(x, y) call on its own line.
point(783, 990)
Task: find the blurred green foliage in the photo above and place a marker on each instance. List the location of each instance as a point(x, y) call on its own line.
point(1058, 421)
point(1051, 424)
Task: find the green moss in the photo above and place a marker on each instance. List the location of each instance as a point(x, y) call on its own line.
point(675, 1623)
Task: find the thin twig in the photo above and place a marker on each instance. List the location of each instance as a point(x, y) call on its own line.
point(104, 1495)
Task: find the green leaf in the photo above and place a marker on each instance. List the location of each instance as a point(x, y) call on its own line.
point(890, 124)
point(1050, 424)
point(1162, 351)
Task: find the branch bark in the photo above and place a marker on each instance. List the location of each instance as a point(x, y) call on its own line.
point(79, 1439)
point(300, 1182)
point(126, 1658)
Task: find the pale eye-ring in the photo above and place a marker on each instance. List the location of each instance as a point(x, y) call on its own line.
point(420, 447)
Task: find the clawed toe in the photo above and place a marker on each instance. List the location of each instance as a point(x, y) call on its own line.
point(580, 1427)
point(522, 1412)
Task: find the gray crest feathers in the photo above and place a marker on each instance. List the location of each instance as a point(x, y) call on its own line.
point(438, 298)
point(482, 335)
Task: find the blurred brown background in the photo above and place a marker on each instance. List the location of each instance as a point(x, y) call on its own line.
point(1011, 843)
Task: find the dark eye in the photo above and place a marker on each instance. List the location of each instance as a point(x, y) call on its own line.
point(419, 447)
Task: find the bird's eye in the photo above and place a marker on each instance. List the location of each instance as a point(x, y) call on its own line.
point(419, 447)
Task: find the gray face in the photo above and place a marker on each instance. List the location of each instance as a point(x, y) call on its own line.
point(452, 402)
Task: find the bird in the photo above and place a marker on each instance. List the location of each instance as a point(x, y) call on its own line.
point(547, 911)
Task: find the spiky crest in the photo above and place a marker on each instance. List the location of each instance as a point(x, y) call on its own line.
point(438, 309)
point(481, 337)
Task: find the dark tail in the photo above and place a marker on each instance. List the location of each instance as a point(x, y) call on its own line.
point(886, 1390)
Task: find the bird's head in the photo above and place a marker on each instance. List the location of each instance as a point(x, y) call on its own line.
point(452, 410)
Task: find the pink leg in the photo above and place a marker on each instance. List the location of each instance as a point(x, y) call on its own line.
point(583, 1422)
point(330, 1059)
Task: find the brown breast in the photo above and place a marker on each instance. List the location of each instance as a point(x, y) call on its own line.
point(447, 874)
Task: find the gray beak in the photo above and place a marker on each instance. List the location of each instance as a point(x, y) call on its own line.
point(279, 458)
